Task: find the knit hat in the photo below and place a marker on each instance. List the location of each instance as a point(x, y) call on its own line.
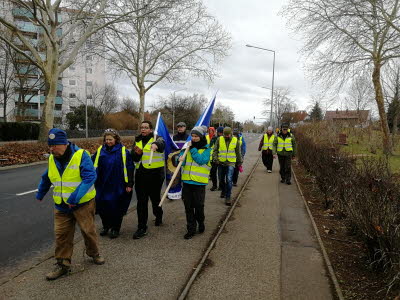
point(197, 131)
point(235, 131)
point(57, 137)
point(181, 124)
point(205, 128)
point(220, 129)
point(227, 131)
point(285, 126)
point(270, 128)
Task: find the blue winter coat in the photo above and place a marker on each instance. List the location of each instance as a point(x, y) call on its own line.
point(111, 195)
point(88, 175)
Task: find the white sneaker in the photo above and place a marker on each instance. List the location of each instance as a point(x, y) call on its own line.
point(269, 171)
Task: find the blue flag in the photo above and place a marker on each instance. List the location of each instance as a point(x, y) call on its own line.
point(161, 130)
point(204, 119)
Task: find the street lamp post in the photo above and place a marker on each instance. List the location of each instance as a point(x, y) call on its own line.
point(273, 77)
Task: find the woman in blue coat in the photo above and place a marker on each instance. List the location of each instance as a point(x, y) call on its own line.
point(114, 183)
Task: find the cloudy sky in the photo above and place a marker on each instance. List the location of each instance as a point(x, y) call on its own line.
point(247, 70)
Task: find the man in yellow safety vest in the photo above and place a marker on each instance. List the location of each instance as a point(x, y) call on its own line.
point(227, 155)
point(72, 174)
point(266, 145)
point(285, 147)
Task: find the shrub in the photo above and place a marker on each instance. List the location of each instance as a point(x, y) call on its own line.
point(15, 131)
point(362, 190)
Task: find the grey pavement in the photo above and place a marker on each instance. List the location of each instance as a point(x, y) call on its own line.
point(246, 262)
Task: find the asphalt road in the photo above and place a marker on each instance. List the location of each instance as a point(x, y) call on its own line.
point(26, 225)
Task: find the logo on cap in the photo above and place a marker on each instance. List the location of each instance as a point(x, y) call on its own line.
point(52, 136)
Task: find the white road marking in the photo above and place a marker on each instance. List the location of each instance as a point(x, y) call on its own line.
point(28, 192)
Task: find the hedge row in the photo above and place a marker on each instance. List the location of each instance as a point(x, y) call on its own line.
point(361, 190)
point(17, 131)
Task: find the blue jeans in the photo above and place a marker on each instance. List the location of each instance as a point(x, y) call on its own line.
point(226, 174)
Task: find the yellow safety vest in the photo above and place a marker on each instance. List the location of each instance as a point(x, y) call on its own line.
point(66, 184)
point(284, 144)
point(227, 154)
point(208, 138)
point(158, 158)
point(268, 142)
point(96, 162)
point(195, 172)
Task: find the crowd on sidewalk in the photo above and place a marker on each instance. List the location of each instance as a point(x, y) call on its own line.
point(103, 183)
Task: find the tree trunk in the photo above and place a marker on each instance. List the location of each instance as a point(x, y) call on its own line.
point(141, 103)
point(5, 107)
point(376, 80)
point(47, 120)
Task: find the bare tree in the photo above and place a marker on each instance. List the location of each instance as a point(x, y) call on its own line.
point(360, 94)
point(105, 99)
point(6, 78)
point(223, 114)
point(130, 105)
point(283, 103)
point(167, 45)
point(344, 38)
point(62, 27)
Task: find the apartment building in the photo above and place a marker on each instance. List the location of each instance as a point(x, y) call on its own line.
point(76, 84)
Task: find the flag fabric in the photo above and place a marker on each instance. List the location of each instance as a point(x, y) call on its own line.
point(162, 131)
point(204, 119)
point(171, 153)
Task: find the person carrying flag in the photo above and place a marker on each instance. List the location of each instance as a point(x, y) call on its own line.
point(149, 177)
point(227, 155)
point(195, 172)
point(181, 137)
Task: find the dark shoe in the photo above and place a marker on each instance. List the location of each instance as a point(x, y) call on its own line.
point(158, 222)
point(58, 271)
point(234, 184)
point(114, 234)
point(139, 234)
point(228, 201)
point(214, 188)
point(220, 189)
point(283, 180)
point(104, 231)
point(222, 195)
point(288, 182)
point(188, 235)
point(98, 260)
point(201, 228)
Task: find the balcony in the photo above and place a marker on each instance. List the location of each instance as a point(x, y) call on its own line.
point(23, 12)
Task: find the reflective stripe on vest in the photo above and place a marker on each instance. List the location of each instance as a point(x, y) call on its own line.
point(195, 172)
point(158, 158)
point(66, 184)
point(241, 141)
point(96, 162)
point(268, 142)
point(284, 144)
point(225, 154)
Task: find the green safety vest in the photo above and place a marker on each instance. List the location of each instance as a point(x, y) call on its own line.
point(195, 172)
point(284, 144)
point(158, 158)
point(96, 162)
point(227, 154)
point(268, 143)
point(66, 184)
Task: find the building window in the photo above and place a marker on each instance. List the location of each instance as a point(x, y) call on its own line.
point(89, 96)
point(72, 82)
point(58, 107)
point(89, 70)
point(88, 83)
point(72, 95)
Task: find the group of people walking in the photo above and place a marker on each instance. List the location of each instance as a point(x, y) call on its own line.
point(103, 182)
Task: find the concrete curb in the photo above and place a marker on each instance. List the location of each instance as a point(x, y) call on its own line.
point(23, 165)
point(210, 247)
point(327, 261)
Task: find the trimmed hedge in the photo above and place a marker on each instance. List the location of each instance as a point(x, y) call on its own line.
point(13, 131)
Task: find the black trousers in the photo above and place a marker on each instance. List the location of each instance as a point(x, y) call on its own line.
point(193, 198)
point(148, 186)
point(235, 175)
point(111, 222)
point(267, 159)
point(285, 164)
point(214, 175)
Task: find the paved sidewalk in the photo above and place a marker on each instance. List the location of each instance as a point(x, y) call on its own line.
point(155, 267)
point(266, 252)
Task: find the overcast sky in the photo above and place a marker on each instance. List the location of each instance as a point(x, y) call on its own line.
point(247, 70)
